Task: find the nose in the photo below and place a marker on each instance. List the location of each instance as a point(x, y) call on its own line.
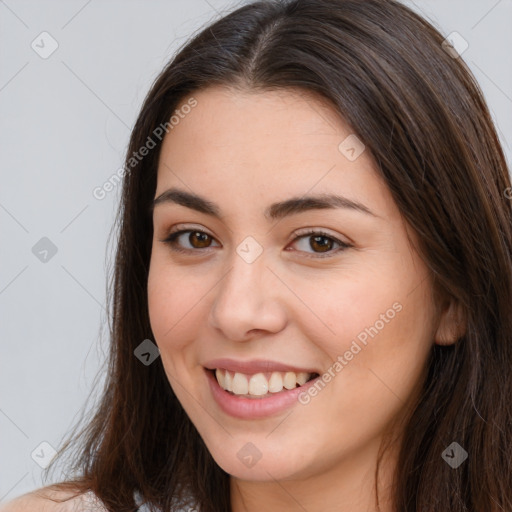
point(248, 300)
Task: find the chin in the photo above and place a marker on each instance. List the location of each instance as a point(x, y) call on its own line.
point(260, 460)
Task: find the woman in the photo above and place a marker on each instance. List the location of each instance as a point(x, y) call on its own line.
point(315, 234)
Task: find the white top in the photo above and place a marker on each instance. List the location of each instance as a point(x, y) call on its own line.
point(89, 502)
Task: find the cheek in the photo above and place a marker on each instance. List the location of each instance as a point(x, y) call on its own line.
point(170, 301)
point(372, 321)
point(344, 308)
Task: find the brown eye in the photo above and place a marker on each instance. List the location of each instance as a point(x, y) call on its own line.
point(203, 240)
point(320, 243)
point(314, 243)
point(194, 240)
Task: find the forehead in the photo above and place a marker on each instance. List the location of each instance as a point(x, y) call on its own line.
point(244, 120)
point(244, 145)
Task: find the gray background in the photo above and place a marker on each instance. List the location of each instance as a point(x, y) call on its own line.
point(64, 127)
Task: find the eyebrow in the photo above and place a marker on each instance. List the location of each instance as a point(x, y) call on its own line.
point(278, 210)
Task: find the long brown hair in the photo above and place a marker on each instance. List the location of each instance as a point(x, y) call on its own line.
point(421, 114)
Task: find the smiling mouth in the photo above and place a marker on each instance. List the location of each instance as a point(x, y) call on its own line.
point(260, 385)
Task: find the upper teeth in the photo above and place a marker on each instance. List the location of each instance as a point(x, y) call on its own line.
point(259, 384)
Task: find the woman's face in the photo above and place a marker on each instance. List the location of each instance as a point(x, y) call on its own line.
point(276, 286)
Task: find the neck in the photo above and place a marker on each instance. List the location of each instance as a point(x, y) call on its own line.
point(347, 487)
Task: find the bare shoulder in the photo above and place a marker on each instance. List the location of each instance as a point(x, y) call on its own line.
point(41, 500)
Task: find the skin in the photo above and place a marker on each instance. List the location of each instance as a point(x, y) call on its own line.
point(244, 150)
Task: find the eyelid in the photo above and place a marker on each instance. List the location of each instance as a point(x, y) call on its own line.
point(305, 232)
point(320, 231)
point(180, 229)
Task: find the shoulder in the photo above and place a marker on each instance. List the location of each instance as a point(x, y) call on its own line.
point(41, 500)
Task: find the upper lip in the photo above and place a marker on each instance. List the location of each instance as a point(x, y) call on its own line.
point(254, 366)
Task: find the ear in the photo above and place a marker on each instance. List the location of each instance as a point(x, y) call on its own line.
point(452, 323)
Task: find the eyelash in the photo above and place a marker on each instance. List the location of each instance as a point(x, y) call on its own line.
point(171, 241)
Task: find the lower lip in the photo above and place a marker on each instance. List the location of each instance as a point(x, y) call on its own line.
point(252, 408)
